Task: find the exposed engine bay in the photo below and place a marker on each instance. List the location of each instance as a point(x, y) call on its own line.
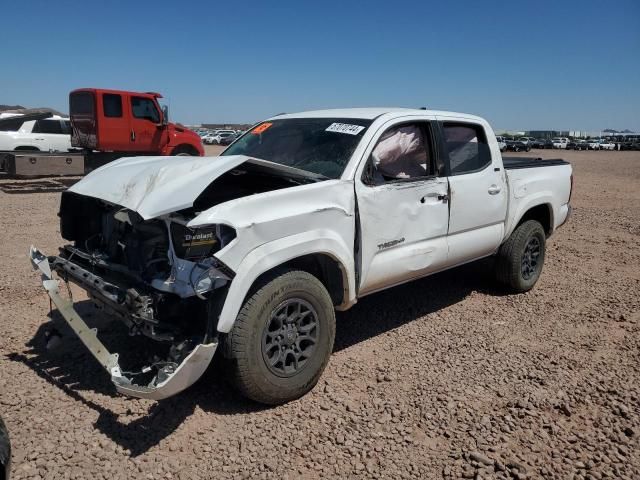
point(152, 274)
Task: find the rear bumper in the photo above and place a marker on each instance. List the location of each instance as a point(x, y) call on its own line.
point(168, 381)
point(567, 215)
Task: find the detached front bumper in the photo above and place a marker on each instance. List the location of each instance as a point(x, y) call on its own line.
point(165, 384)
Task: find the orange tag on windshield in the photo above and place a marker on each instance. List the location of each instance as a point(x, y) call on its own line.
point(261, 128)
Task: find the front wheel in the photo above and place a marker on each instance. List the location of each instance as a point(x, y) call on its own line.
point(283, 338)
point(184, 151)
point(521, 257)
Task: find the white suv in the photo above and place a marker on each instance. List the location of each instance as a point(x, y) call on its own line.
point(51, 134)
point(560, 142)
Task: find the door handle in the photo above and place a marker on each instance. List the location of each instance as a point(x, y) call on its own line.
point(441, 197)
point(133, 136)
point(494, 190)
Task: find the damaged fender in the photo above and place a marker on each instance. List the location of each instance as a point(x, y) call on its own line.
point(268, 234)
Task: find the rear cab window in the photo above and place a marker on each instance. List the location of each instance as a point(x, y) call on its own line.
point(81, 103)
point(467, 147)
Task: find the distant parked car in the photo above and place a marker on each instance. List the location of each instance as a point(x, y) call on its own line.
point(606, 145)
point(560, 142)
point(226, 138)
point(223, 134)
point(5, 452)
point(540, 143)
point(51, 134)
point(518, 146)
point(593, 144)
point(526, 140)
point(501, 143)
point(209, 139)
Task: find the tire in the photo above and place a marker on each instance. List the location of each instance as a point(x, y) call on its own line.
point(259, 370)
point(184, 151)
point(26, 149)
point(516, 256)
point(528, 149)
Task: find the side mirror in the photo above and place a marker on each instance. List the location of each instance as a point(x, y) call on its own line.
point(165, 115)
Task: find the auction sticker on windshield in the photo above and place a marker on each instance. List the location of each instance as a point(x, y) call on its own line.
point(345, 128)
point(261, 128)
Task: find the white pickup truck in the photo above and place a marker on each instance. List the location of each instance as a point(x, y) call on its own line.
point(304, 214)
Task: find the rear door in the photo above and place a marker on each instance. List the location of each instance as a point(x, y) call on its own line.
point(146, 125)
point(402, 206)
point(478, 193)
point(50, 135)
point(115, 129)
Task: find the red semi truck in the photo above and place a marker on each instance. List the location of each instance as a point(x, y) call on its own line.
point(107, 125)
point(128, 122)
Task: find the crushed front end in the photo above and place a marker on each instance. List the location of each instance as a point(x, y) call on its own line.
point(158, 276)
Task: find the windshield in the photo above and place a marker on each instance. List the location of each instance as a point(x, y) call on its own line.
point(317, 145)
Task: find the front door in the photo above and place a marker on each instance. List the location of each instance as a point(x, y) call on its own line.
point(146, 125)
point(403, 207)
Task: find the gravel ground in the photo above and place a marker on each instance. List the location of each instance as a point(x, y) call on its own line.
point(446, 377)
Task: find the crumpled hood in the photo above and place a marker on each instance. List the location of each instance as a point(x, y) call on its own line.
point(154, 186)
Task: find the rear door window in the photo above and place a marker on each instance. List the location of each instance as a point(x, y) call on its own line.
point(466, 144)
point(48, 126)
point(112, 105)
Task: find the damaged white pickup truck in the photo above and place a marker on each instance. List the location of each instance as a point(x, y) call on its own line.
point(254, 250)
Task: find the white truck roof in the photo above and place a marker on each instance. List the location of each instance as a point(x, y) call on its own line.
point(371, 113)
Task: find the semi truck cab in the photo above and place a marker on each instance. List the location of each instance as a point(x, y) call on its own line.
point(131, 122)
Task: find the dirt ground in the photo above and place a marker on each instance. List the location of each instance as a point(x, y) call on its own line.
point(446, 377)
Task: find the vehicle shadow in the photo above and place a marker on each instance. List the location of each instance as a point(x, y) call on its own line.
point(72, 369)
point(389, 309)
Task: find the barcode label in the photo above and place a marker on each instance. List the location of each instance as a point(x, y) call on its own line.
point(345, 128)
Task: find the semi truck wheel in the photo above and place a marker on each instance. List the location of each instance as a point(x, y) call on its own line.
point(184, 151)
point(282, 338)
point(521, 257)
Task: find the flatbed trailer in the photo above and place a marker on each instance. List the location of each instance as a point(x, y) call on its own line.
point(26, 163)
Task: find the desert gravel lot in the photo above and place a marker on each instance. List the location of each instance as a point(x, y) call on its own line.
point(446, 377)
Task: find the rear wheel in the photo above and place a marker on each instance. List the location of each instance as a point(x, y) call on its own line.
point(282, 338)
point(521, 257)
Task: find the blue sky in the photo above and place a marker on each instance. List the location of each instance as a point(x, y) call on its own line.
point(521, 65)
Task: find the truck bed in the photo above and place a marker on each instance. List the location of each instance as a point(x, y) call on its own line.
point(512, 163)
